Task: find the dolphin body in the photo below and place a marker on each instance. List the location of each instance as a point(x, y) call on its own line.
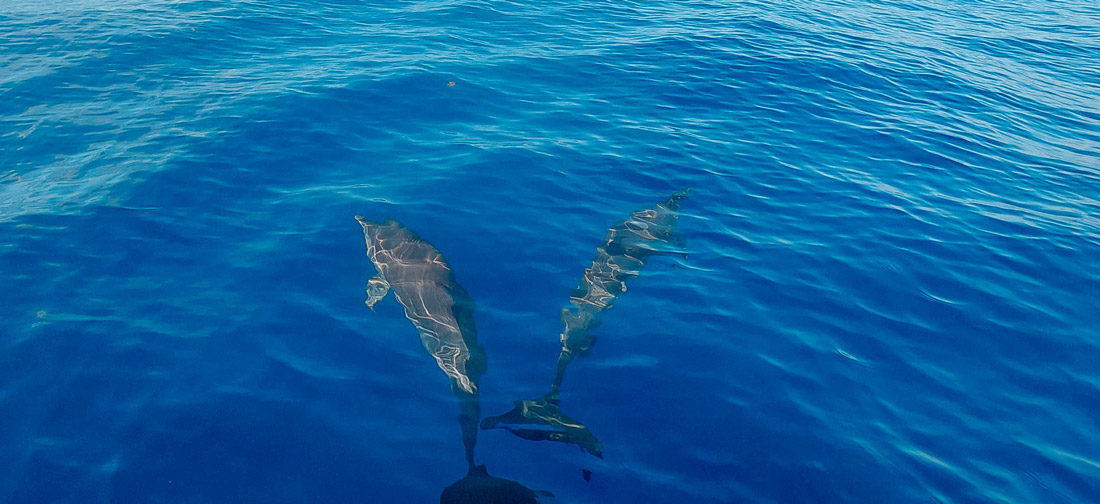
point(443, 313)
point(435, 303)
point(627, 247)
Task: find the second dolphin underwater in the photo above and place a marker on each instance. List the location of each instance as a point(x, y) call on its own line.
point(627, 247)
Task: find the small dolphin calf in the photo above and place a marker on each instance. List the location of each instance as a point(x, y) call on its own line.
point(435, 303)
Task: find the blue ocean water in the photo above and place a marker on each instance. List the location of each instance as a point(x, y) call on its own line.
point(890, 290)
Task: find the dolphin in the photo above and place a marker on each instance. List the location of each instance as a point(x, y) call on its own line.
point(442, 312)
point(625, 250)
point(627, 247)
point(434, 302)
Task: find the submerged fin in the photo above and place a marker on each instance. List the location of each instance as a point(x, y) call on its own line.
point(377, 288)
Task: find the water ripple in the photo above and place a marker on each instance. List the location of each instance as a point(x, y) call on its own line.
point(886, 297)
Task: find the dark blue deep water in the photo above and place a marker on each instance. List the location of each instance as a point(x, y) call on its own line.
point(891, 291)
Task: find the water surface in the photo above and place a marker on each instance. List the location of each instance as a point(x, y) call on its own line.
point(889, 294)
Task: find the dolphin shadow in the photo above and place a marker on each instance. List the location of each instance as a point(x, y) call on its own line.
point(626, 249)
point(442, 312)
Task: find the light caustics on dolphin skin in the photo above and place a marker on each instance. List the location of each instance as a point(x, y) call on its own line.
point(625, 251)
point(442, 312)
point(434, 302)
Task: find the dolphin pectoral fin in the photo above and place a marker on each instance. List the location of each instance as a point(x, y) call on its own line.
point(377, 288)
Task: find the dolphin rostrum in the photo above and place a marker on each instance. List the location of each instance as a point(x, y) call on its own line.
point(435, 303)
point(626, 249)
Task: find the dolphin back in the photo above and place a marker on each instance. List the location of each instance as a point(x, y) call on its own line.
point(434, 302)
point(625, 251)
